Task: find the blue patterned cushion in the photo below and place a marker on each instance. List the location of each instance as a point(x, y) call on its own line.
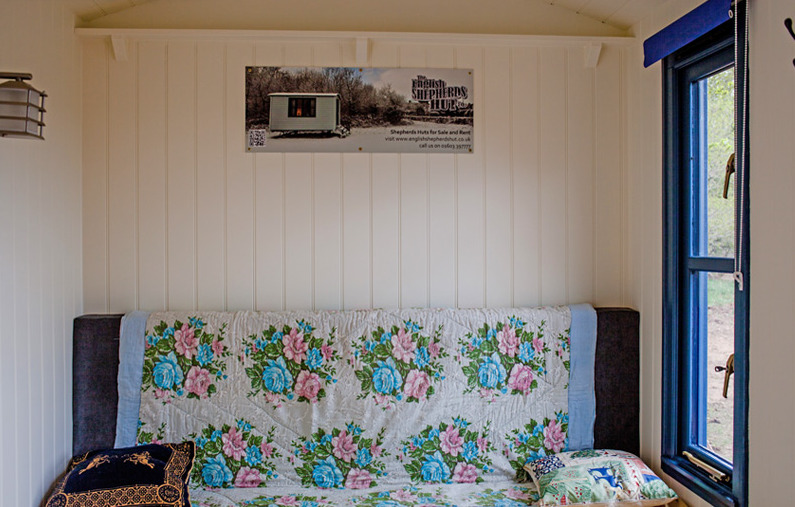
point(151, 474)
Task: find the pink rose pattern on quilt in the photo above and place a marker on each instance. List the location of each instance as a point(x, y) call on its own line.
point(536, 440)
point(507, 358)
point(398, 365)
point(448, 453)
point(340, 458)
point(289, 364)
point(233, 456)
point(184, 360)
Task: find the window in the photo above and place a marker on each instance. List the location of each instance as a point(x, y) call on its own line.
point(301, 107)
point(705, 313)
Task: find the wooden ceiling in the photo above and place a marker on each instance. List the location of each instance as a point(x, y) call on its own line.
point(619, 13)
point(89, 10)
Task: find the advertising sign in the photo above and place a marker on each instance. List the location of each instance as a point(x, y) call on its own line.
point(344, 109)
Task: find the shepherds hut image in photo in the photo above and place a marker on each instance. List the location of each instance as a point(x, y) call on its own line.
point(346, 109)
point(305, 112)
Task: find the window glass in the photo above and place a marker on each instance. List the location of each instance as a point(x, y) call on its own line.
point(720, 345)
point(711, 233)
point(719, 90)
point(301, 107)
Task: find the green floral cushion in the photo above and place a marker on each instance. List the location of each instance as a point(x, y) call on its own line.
point(597, 477)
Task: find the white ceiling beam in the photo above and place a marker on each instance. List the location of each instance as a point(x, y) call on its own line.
point(443, 39)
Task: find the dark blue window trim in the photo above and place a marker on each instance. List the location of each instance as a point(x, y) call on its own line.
point(700, 58)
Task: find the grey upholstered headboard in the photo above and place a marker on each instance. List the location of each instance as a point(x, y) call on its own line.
point(96, 366)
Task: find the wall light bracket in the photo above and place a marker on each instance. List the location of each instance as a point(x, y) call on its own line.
point(21, 107)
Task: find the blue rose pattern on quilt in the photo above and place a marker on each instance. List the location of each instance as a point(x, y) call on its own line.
point(289, 364)
point(401, 364)
point(508, 358)
point(233, 456)
point(449, 452)
point(184, 359)
point(340, 458)
point(335, 402)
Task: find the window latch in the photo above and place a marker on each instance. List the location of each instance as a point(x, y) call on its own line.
point(730, 169)
point(714, 474)
point(728, 369)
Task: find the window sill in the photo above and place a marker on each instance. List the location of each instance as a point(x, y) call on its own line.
point(694, 479)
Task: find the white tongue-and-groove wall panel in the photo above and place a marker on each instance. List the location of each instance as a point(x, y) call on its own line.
point(180, 216)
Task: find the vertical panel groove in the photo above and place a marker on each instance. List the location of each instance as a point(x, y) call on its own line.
point(482, 83)
point(511, 55)
point(312, 229)
point(428, 229)
point(16, 326)
point(622, 172)
point(107, 180)
point(254, 232)
point(255, 306)
point(566, 166)
point(283, 231)
point(427, 219)
point(372, 241)
point(455, 201)
point(196, 177)
point(165, 158)
point(342, 234)
point(594, 187)
point(284, 225)
point(400, 231)
point(400, 213)
point(226, 181)
point(539, 218)
point(137, 189)
point(312, 213)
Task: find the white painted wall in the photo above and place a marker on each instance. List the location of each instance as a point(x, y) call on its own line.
point(772, 173)
point(772, 180)
point(645, 229)
point(40, 249)
point(177, 215)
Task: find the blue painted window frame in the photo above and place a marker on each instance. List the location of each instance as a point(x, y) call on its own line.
point(682, 193)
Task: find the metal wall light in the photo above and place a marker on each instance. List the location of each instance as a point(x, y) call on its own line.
point(21, 107)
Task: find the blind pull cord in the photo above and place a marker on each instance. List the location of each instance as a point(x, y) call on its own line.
point(740, 135)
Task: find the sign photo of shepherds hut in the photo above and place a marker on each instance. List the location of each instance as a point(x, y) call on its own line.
point(341, 109)
point(305, 112)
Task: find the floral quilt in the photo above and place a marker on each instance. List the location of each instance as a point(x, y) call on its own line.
point(505, 494)
point(376, 407)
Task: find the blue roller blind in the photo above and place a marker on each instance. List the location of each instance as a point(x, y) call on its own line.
point(685, 30)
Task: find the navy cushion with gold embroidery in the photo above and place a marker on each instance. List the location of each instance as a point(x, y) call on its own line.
point(146, 475)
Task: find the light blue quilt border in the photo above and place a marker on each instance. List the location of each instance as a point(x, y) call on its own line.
point(131, 366)
point(582, 399)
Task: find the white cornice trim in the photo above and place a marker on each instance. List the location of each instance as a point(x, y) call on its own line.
point(456, 39)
